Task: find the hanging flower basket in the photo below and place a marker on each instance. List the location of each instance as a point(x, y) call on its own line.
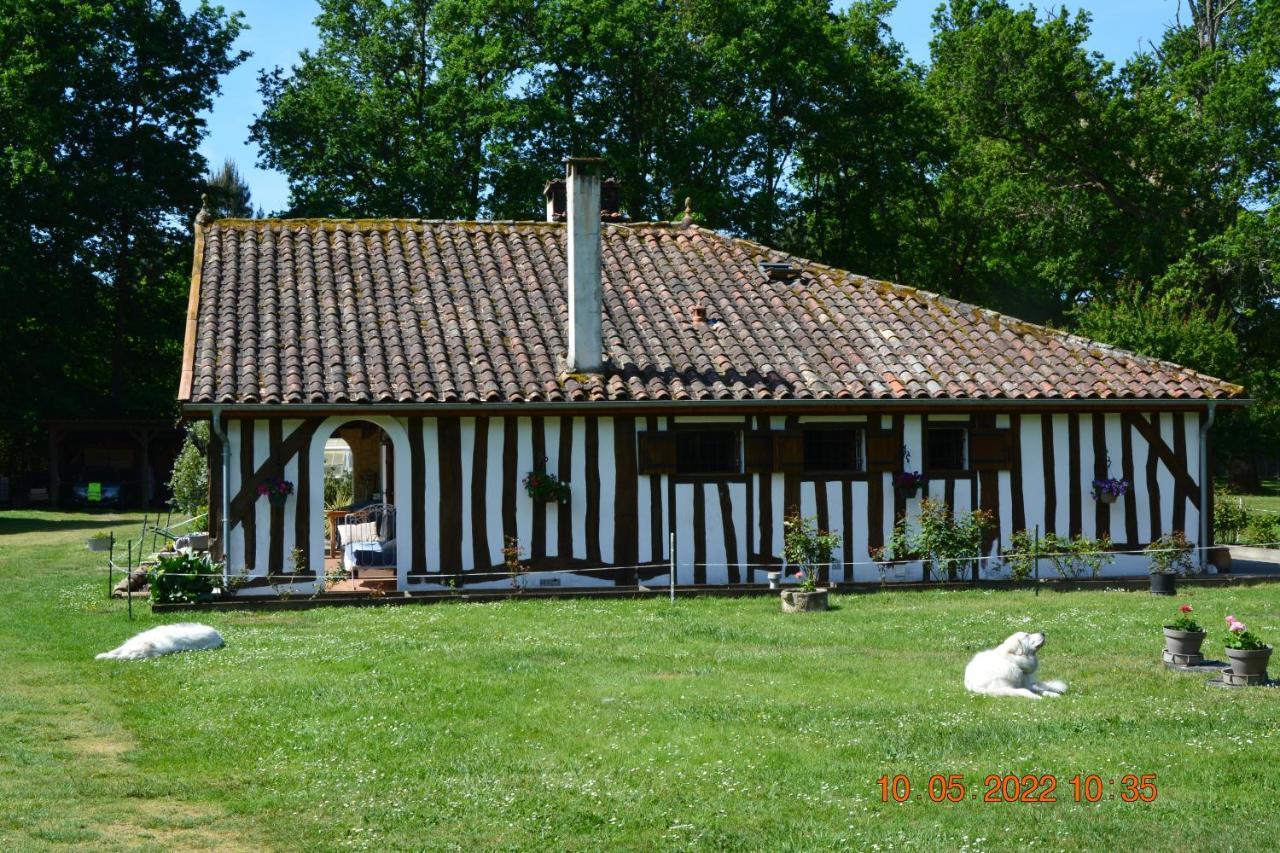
point(908, 483)
point(276, 490)
point(546, 488)
point(1109, 490)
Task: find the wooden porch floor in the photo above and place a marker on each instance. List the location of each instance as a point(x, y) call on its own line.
point(370, 580)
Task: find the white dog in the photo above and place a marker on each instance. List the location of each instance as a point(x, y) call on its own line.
point(179, 637)
point(1010, 670)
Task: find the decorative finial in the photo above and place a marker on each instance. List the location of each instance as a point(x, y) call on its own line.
point(688, 212)
point(204, 217)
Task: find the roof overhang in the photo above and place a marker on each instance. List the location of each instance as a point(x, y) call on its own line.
point(708, 407)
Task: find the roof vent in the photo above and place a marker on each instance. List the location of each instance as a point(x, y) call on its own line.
point(780, 270)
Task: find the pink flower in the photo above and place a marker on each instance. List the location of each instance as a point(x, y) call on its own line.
point(800, 575)
point(1186, 608)
point(1234, 624)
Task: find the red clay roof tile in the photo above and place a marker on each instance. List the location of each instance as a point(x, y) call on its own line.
point(422, 312)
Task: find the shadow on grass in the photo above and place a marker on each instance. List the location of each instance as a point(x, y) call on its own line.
point(13, 525)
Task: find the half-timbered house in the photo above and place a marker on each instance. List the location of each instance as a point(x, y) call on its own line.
point(689, 387)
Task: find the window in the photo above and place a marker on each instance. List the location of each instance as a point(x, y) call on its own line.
point(716, 451)
point(947, 449)
point(833, 451)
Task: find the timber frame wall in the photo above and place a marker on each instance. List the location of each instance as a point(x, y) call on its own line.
point(458, 490)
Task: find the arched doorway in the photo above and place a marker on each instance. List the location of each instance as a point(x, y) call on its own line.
point(362, 513)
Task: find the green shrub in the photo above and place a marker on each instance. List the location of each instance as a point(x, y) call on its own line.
point(1230, 518)
point(1172, 554)
point(182, 578)
point(1070, 557)
point(808, 548)
point(190, 479)
point(1262, 529)
point(948, 543)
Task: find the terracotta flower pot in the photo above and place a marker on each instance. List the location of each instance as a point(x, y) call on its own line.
point(1182, 642)
point(1249, 661)
point(1163, 584)
point(800, 601)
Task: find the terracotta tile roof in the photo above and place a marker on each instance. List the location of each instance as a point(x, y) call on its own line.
point(420, 312)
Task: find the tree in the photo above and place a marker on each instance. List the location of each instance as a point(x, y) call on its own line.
point(99, 175)
point(228, 193)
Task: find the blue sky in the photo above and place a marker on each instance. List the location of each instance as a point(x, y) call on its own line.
point(279, 29)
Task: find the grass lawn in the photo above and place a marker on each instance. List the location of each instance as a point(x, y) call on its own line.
point(713, 723)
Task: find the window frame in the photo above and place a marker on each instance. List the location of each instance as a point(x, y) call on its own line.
point(933, 469)
point(859, 468)
point(735, 430)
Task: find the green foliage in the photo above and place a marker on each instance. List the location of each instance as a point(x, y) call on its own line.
point(1263, 528)
point(1238, 636)
point(808, 549)
point(100, 175)
point(338, 490)
point(1230, 517)
point(228, 193)
point(182, 578)
point(1069, 557)
point(189, 481)
point(1171, 554)
point(1184, 621)
point(949, 543)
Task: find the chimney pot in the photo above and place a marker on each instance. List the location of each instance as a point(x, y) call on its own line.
point(699, 314)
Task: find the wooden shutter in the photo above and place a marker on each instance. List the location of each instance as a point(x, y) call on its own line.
point(757, 452)
point(788, 451)
point(882, 452)
point(657, 452)
point(990, 449)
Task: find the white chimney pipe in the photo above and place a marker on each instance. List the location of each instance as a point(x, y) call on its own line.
point(582, 179)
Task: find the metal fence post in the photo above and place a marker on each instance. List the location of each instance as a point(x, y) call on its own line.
point(673, 565)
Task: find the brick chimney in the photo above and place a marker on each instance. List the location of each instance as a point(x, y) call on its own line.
point(582, 211)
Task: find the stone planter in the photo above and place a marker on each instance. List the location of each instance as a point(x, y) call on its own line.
point(1220, 559)
point(98, 544)
point(1163, 584)
point(1183, 642)
point(799, 601)
point(1249, 662)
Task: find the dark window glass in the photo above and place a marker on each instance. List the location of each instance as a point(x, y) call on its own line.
point(708, 452)
point(946, 450)
point(832, 450)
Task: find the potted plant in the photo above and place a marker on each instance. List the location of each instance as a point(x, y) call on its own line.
point(545, 487)
point(1170, 556)
point(1183, 636)
point(908, 483)
point(276, 489)
point(99, 542)
point(809, 550)
point(1247, 653)
point(1109, 489)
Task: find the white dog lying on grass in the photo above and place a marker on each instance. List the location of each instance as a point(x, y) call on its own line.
point(179, 637)
point(1010, 670)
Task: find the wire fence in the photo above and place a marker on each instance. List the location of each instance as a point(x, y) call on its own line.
point(777, 573)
